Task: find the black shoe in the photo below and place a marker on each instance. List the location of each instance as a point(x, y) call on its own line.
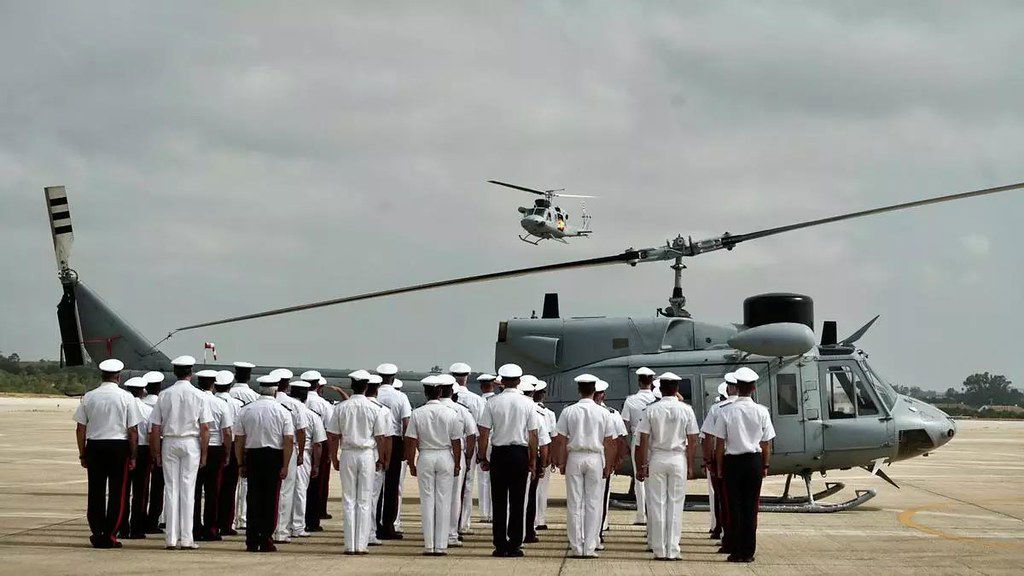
point(252, 548)
point(498, 553)
point(268, 547)
point(161, 526)
point(214, 537)
point(229, 532)
point(530, 540)
point(390, 536)
point(517, 553)
point(460, 538)
point(724, 550)
point(136, 536)
point(734, 558)
point(542, 527)
point(326, 517)
point(314, 529)
point(115, 544)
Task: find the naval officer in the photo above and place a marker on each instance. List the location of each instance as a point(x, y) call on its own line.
point(668, 441)
point(632, 414)
point(541, 481)
point(208, 480)
point(716, 491)
point(621, 448)
point(436, 432)
point(360, 428)
point(316, 495)
point(286, 502)
point(133, 525)
point(475, 403)
point(585, 450)
point(264, 439)
point(508, 429)
point(744, 433)
point(229, 478)
point(182, 418)
point(487, 387)
point(154, 381)
point(528, 387)
point(244, 394)
point(107, 436)
point(307, 472)
point(448, 386)
point(401, 410)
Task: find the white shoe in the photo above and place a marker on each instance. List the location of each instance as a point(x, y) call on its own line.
point(302, 534)
point(454, 543)
point(600, 546)
point(192, 546)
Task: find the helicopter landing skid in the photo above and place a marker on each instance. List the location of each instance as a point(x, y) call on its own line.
point(528, 241)
point(699, 502)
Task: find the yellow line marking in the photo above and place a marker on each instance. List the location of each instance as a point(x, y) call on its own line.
point(906, 518)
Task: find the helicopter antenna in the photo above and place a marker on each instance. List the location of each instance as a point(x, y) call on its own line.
point(675, 250)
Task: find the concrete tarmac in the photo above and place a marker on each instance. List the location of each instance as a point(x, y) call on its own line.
point(959, 511)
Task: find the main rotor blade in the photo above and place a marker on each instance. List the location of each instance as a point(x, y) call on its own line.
point(523, 188)
point(732, 240)
point(628, 256)
point(573, 196)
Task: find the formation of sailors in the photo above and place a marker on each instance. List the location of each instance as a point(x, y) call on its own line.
point(209, 459)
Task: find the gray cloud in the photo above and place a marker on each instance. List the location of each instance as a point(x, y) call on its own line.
point(232, 158)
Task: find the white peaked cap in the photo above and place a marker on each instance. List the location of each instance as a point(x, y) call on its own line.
point(248, 365)
point(460, 368)
point(154, 377)
point(457, 388)
point(430, 380)
point(525, 386)
point(657, 389)
point(310, 376)
point(299, 384)
point(268, 380)
point(540, 385)
point(375, 379)
point(111, 366)
point(206, 374)
point(585, 378)
point(671, 377)
point(510, 371)
point(723, 389)
point(600, 386)
point(485, 378)
point(136, 382)
point(225, 377)
point(528, 378)
point(730, 378)
point(183, 361)
point(746, 375)
point(387, 369)
point(322, 381)
point(359, 375)
point(282, 373)
point(397, 384)
point(445, 380)
point(644, 371)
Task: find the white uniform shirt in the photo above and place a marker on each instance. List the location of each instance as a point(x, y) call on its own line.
point(474, 402)
point(744, 424)
point(323, 408)
point(143, 427)
point(358, 421)
point(399, 405)
point(585, 425)
point(150, 400)
point(544, 433)
point(180, 410)
point(510, 418)
point(264, 423)
point(549, 419)
point(243, 393)
point(486, 396)
point(667, 422)
point(107, 412)
point(635, 405)
point(712, 417)
point(468, 422)
point(234, 403)
point(617, 423)
point(223, 417)
point(435, 425)
point(316, 432)
point(299, 419)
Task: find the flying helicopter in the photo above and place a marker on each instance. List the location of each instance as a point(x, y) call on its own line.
point(544, 221)
point(831, 408)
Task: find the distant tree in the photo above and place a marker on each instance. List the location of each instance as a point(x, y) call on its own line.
point(990, 389)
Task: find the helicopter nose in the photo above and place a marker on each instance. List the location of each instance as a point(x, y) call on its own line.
point(922, 428)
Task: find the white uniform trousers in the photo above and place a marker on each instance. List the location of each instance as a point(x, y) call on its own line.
point(484, 495)
point(240, 507)
point(666, 495)
point(455, 502)
point(401, 483)
point(638, 489)
point(298, 523)
point(540, 517)
point(711, 502)
point(180, 457)
point(378, 490)
point(286, 501)
point(584, 490)
point(434, 471)
point(357, 469)
point(466, 520)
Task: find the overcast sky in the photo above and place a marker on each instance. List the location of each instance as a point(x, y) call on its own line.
point(232, 158)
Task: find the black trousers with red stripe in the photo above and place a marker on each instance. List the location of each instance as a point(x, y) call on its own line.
point(743, 492)
point(226, 500)
point(324, 481)
point(315, 491)
point(208, 488)
point(107, 465)
point(719, 503)
point(156, 498)
point(134, 522)
point(263, 467)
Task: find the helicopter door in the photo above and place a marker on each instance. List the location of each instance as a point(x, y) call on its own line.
point(787, 411)
point(855, 425)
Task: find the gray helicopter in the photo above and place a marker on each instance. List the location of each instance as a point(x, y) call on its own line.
point(830, 407)
point(544, 221)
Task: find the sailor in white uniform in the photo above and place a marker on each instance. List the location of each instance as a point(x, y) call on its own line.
point(209, 478)
point(358, 427)
point(182, 418)
point(397, 385)
point(528, 386)
point(436, 432)
point(154, 515)
point(133, 524)
point(668, 441)
point(241, 391)
point(632, 413)
point(401, 409)
point(585, 449)
point(716, 508)
point(487, 386)
point(286, 503)
point(229, 479)
point(316, 434)
point(449, 388)
point(316, 495)
point(550, 422)
point(475, 403)
point(621, 448)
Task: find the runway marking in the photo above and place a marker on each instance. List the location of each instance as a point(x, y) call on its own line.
point(62, 482)
point(906, 518)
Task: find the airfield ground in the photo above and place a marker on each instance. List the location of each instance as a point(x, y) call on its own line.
point(960, 511)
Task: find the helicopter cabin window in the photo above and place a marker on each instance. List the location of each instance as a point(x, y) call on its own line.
point(865, 404)
point(786, 394)
point(548, 216)
point(686, 389)
point(840, 390)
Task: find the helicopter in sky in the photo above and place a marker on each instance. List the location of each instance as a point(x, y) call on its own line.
point(544, 221)
point(831, 408)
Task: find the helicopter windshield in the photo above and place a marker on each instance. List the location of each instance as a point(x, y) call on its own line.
point(540, 211)
point(882, 387)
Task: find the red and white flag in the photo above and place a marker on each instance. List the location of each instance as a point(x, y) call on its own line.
point(209, 346)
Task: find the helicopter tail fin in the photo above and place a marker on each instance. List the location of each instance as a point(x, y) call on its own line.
point(88, 327)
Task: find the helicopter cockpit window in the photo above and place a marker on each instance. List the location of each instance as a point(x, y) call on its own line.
point(840, 393)
point(885, 391)
point(865, 404)
point(539, 211)
point(686, 389)
point(786, 396)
